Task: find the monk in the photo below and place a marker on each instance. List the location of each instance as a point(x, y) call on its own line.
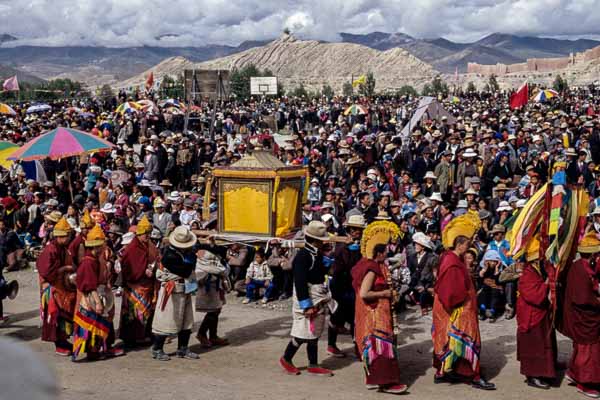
point(456, 339)
point(76, 248)
point(138, 264)
point(536, 339)
point(93, 320)
point(581, 317)
point(57, 287)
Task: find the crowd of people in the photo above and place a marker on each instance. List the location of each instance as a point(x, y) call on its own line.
point(445, 193)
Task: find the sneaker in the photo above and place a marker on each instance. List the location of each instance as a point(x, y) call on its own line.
point(489, 314)
point(62, 352)
point(217, 341)
point(187, 353)
point(284, 297)
point(160, 355)
point(246, 301)
point(371, 387)
point(204, 341)
point(115, 352)
point(395, 389)
point(570, 380)
point(334, 351)
point(264, 300)
point(318, 371)
point(589, 392)
point(288, 367)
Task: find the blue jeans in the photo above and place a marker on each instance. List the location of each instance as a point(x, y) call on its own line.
point(255, 285)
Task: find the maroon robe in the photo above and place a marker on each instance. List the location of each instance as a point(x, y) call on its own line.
point(76, 249)
point(581, 322)
point(536, 339)
point(54, 266)
point(139, 291)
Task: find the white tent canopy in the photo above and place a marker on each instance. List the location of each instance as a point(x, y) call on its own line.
point(428, 108)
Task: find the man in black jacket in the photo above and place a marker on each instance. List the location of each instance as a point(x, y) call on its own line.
point(311, 299)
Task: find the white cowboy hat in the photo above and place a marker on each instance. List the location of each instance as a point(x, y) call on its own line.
point(522, 202)
point(423, 240)
point(436, 196)
point(472, 191)
point(108, 209)
point(182, 238)
point(430, 175)
point(174, 196)
point(127, 238)
point(356, 221)
point(150, 149)
point(316, 230)
point(504, 206)
point(596, 211)
point(469, 153)
point(462, 204)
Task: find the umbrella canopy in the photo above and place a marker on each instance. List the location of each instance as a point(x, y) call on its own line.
point(545, 95)
point(6, 109)
point(60, 143)
point(74, 109)
point(36, 108)
point(128, 107)
point(355, 109)
point(6, 150)
point(172, 103)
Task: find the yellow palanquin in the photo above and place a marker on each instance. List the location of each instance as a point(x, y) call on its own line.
point(260, 195)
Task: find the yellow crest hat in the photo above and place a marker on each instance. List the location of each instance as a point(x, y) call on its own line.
point(589, 244)
point(95, 237)
point(465, 225)
point(86, 221)
point(378, 232)
point(62, 228)
point(143, 227)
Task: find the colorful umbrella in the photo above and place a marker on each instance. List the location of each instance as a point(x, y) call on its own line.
point(172, 103)
point(545, 95)
point(6, 109)
point(128, 107)
point(60, 143)
point(6, 150)
point(36, 108)
point(355, 109)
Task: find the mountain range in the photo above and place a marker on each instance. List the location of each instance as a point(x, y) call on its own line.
point(99, 65)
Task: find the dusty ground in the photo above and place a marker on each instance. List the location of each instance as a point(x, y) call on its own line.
point(248, 369)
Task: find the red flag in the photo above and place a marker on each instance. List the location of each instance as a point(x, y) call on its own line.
point(150, 81)
point(11, 84)
point(520, 98)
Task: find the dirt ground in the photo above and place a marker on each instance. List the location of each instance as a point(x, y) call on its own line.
point(248, 368)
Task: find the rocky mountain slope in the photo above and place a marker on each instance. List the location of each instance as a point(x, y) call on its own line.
point(314, 64)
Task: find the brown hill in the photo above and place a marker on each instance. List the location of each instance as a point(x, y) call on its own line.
point(313, 64)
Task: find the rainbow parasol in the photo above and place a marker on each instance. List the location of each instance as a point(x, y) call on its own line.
point(6, 149)
point(6, 109)
point(545, 95)
point(60, 143)
point(355, 109)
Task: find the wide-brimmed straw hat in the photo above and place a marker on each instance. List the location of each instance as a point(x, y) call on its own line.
point(356, 221)
point(316, 230)
point(182, 238)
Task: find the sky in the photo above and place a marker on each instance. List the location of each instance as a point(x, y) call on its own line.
point(123, 23)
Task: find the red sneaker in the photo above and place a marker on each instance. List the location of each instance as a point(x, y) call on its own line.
point(115, 352)
point(589, 392)
point(395, 389)
point(318, 371)
point(334, 351)
point(62, 352)
point(570, 379)
point(289, 367)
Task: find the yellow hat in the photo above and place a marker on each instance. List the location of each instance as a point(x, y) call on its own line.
point(533, 249)
point(466, 225)
point(589, 244)
point(62, 228)
point(378, 232)
point(86, 221)
point(143, 227)
point(95, 237)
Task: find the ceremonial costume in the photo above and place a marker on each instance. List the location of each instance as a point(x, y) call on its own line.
point(57, 289)
point(138, 264)
point(77, 248)
point(536, 339)
point(455, 331)
point(581, 317)
point(93, 321)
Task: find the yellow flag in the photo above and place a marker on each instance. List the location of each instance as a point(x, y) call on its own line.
point(361, 80)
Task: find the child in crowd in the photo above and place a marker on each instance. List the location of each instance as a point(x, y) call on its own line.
point(491, 293)
point(259, 276)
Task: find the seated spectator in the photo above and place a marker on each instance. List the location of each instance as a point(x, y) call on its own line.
point(259, 276)
point(491, 293)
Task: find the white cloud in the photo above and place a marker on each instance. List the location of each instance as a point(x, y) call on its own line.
point(196, 22)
